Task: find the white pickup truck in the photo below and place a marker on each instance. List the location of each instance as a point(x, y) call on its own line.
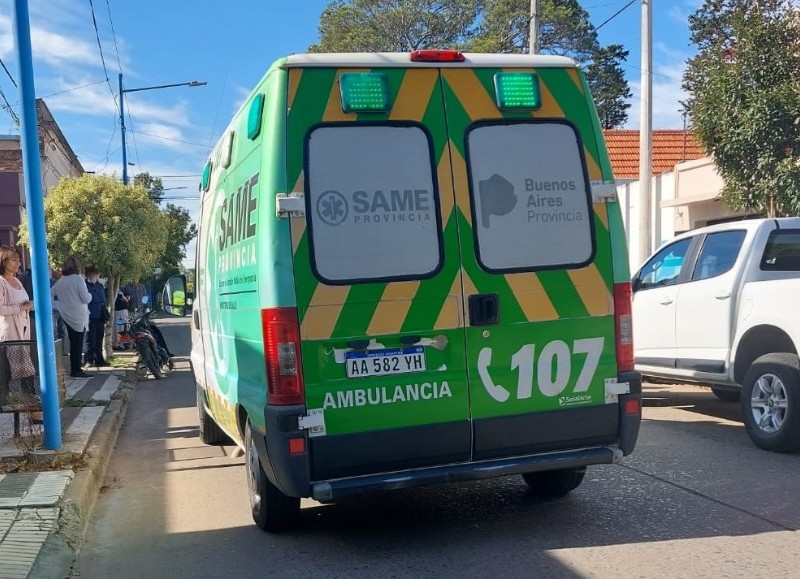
point(721, 306)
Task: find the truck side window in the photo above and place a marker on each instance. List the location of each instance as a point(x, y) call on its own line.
point(664, 268)
point(719, 254)
point(782, 252)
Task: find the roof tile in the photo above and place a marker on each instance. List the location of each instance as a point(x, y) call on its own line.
point(670, 146)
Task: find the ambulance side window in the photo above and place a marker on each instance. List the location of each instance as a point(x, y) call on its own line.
point(372, 204)
point(531, 203)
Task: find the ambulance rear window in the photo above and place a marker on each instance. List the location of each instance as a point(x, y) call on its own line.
point(531, 202)
point(372, 204)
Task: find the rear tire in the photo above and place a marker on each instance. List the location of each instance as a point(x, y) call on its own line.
point(272, 510)
point(555, 483)
point(771, 402)
point(151, 362)
point(209, 431)
point(727, 395)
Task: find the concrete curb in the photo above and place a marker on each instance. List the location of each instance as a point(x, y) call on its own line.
point(62, 546)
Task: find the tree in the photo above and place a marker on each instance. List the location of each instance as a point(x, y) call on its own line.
point(180, 231)
point(117, 228)
point(608, 85)
point(153, 185)
point(500, 26)
point(745, 100)
point(394, 26)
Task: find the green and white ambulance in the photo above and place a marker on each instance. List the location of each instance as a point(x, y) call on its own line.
point(412, 270)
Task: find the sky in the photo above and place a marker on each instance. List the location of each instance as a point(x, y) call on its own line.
point(81, 46)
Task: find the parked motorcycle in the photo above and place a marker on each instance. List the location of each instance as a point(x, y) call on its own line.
point(148, 341)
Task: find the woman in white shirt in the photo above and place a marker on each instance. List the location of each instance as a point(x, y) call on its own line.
point(73, 307)
point(14, 324)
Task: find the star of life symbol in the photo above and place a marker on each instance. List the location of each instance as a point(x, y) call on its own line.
point(332, 208)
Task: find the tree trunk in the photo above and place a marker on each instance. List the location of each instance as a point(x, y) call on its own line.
point(112, 287)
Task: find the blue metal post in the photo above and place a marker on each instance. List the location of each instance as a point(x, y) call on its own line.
point(122, 131)
point(35, 208)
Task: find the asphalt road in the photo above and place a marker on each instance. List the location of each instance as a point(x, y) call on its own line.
point(696, 499)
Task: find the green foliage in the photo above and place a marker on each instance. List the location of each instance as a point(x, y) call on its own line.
point(745, 100)
point(394, 26)
point(608, 85)
point(153, 185)
point(117, 228)
point(499, 26)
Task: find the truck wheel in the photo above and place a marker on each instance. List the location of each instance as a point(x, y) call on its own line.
point(555, 483)
point(272, 510)
point(771, 402)
point(210, 432)
point(727, 395)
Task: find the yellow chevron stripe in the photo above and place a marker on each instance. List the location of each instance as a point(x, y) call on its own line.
point(595, 174)
point(393, 307)
point(446, 196)
point(333, 110)
point(414, 95)
point(594, 294)
point(601, 211)
point(295, 75)
point(298, 224)
point(471, 94)
point(451, 315)
point(532, 297)
point(550, 107)
point(323, 311)
point(573, 74)
point(460, 178)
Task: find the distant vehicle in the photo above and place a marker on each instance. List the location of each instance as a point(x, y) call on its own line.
point(721, 306)
point(412, 270)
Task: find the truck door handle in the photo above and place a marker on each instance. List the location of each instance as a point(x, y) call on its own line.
point(723, 295)
point(484, 309)
point(196, 317)
point(666, 301)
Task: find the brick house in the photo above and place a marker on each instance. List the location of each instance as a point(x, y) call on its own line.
point(57, 160)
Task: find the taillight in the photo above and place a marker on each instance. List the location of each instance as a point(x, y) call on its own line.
point(281, 332)
point(623, 322)
point(430, 55)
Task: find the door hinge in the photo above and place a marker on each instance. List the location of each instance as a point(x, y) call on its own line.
point(615, 388)
point(604, 191)
point(291, 205)
point(313, 422)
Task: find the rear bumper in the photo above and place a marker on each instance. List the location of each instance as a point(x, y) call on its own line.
point(328, 491)
point(292, 473)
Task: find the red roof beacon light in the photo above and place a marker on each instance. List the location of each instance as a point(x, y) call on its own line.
point(431, 55)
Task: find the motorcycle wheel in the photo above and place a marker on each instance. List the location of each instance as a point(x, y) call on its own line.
point(150, 361)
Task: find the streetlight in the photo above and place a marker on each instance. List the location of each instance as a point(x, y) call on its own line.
point(122, 92)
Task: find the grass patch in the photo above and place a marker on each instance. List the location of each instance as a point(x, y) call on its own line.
point(61, 461)
point(84, 402)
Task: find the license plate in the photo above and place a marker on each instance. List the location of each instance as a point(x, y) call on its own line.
point(385, 362)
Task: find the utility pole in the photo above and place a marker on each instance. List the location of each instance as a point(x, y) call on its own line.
point(533, 41)
point(645, 136)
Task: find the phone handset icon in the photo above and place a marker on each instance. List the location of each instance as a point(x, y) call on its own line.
point(495, 391)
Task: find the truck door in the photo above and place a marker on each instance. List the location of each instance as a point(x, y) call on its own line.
point(537, 272)
point(377, 270)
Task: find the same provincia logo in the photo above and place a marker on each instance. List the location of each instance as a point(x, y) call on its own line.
point(334, 208)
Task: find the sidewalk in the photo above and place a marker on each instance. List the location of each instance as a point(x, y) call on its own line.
point(34, 505)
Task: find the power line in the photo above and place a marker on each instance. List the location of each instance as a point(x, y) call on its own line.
point(8, 73)
point(114, 35)
point(617, 13)
point(168, 138)
point(8, 108)
point(100, 46)
point(74, 88)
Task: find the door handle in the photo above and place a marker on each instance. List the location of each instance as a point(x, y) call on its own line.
point(196, 318)
point(723, 295)
point(666, 301)
point(484, 309)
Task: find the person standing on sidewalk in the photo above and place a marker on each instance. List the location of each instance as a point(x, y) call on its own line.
point(73, 299)
point(15, 323)
point(98, 316)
